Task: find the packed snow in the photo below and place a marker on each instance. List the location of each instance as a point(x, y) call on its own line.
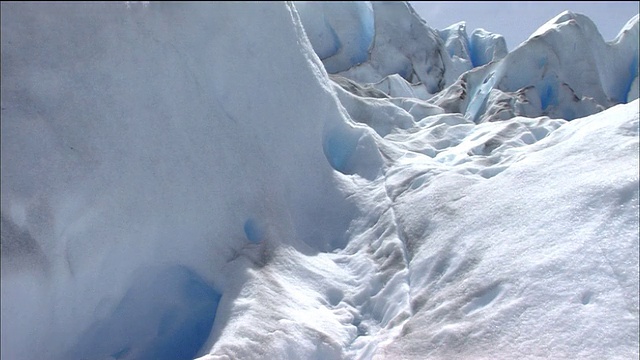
point(311, 180)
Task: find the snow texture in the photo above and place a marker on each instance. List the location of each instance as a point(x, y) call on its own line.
point(309, 180)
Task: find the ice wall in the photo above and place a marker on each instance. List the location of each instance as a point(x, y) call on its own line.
point(386, 38)
point(155, 136)
point(341, 32)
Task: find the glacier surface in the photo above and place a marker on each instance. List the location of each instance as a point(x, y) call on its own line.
point(310, 180)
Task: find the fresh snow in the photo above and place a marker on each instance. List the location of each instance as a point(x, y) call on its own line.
point(309, 180)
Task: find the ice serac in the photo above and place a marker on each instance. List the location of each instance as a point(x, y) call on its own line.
point(564, 70)
point(341, 32)
point(456, 41)
point(485, 47)
point(625, 43)
point(481, 48)
point(170, 135)
point(389, 38)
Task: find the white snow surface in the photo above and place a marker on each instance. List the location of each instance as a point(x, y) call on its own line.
point(186, 180)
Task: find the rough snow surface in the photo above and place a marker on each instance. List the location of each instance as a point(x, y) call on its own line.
point(186, 180)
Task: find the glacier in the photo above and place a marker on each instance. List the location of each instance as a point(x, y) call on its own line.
point(314, 180)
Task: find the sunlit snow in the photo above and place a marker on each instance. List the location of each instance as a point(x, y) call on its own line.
point(305, 180)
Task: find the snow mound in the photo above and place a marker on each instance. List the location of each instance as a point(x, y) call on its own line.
point(541, 248)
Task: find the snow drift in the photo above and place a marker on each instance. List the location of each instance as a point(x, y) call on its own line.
point(186, 180)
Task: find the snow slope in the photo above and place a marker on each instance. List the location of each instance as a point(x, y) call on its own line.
point(187, 181)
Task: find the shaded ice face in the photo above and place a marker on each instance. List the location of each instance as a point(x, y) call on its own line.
point(167, 313)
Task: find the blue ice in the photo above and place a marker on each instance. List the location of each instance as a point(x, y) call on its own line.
point(548, 91)
point(353, 44)
point(339, 146)
point(478, 102)
point(166, 314)
point(626, 87)
point(254, 231)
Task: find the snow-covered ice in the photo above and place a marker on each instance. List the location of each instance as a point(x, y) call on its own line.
point(308, 180)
